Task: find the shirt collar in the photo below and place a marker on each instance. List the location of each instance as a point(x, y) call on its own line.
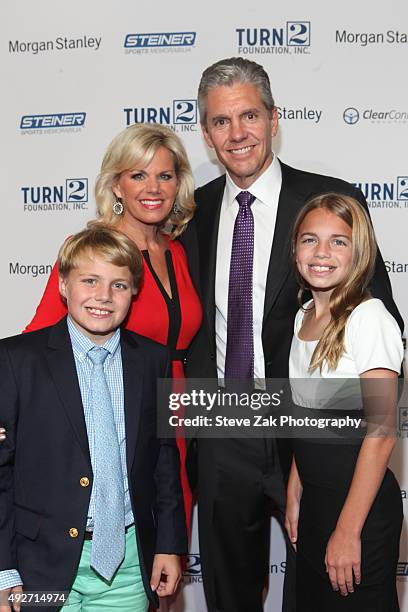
point(81, 344)
point(266, 188)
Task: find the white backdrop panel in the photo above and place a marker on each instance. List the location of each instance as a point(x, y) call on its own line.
point(69, 58)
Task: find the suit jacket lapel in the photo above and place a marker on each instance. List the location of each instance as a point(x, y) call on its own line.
point(280, 266)
point(62, 367)
point(207, 233)
point(133, 370)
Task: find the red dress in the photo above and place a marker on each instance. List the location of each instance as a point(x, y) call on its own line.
point(173, 322)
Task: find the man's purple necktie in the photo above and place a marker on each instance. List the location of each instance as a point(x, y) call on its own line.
point(239, 359)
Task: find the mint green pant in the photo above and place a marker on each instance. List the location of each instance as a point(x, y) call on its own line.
point(91, 593)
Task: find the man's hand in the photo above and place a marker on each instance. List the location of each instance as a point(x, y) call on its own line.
point(5, 594)
point(166, 574)
point(292, 518)
point(293, 497)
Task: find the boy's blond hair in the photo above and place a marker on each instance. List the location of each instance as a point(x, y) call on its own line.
point(104, 241)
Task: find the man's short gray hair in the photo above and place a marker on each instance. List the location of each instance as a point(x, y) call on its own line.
point(228, 72)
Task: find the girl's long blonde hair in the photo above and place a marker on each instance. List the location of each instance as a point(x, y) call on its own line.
point(354, 288)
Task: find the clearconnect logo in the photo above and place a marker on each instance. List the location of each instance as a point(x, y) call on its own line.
point(351, 115)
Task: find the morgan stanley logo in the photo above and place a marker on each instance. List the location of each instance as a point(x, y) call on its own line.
point(160, 39)
point(60, 120)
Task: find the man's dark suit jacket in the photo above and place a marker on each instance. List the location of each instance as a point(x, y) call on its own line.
point(46, 454)
point(281, 303)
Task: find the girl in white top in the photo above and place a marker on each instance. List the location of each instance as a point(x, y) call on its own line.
point(343, 333)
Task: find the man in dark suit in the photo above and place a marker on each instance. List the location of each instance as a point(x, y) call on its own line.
point(90, 498)
point(239, 248)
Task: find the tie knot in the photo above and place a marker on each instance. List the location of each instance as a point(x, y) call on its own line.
point(97, 355)
point(245, 199)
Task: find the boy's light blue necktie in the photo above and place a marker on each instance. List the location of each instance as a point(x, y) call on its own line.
point(108, 543)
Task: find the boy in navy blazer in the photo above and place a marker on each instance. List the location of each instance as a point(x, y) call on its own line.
point(90, 498)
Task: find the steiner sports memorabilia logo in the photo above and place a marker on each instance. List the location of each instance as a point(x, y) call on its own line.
point(159, 42)
point(52, 123)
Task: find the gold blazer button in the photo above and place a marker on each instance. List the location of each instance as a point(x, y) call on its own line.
point(84, 481)
point(73, 532)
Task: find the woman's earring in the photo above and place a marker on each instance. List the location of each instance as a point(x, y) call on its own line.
point(118, 207)
point(176, 209)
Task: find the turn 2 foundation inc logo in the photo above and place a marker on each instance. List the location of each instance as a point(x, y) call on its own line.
point(290, 38)
point(180, 114)
point(69, 195)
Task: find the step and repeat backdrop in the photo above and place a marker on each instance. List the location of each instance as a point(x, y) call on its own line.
point(75, 73)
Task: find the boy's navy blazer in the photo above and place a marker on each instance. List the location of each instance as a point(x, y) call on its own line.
point(43, 501)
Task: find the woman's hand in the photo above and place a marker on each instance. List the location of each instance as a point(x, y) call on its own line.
point(343, 559)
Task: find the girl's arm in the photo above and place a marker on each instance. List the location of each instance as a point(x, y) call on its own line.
point(343, 552)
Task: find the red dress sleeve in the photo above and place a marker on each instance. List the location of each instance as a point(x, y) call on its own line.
point(51, 308)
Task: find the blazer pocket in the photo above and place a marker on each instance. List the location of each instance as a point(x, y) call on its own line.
point(27, 522)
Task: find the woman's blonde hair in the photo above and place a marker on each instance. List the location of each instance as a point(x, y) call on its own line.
point(103, 241)
point(136, 146)
point(354, 288)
